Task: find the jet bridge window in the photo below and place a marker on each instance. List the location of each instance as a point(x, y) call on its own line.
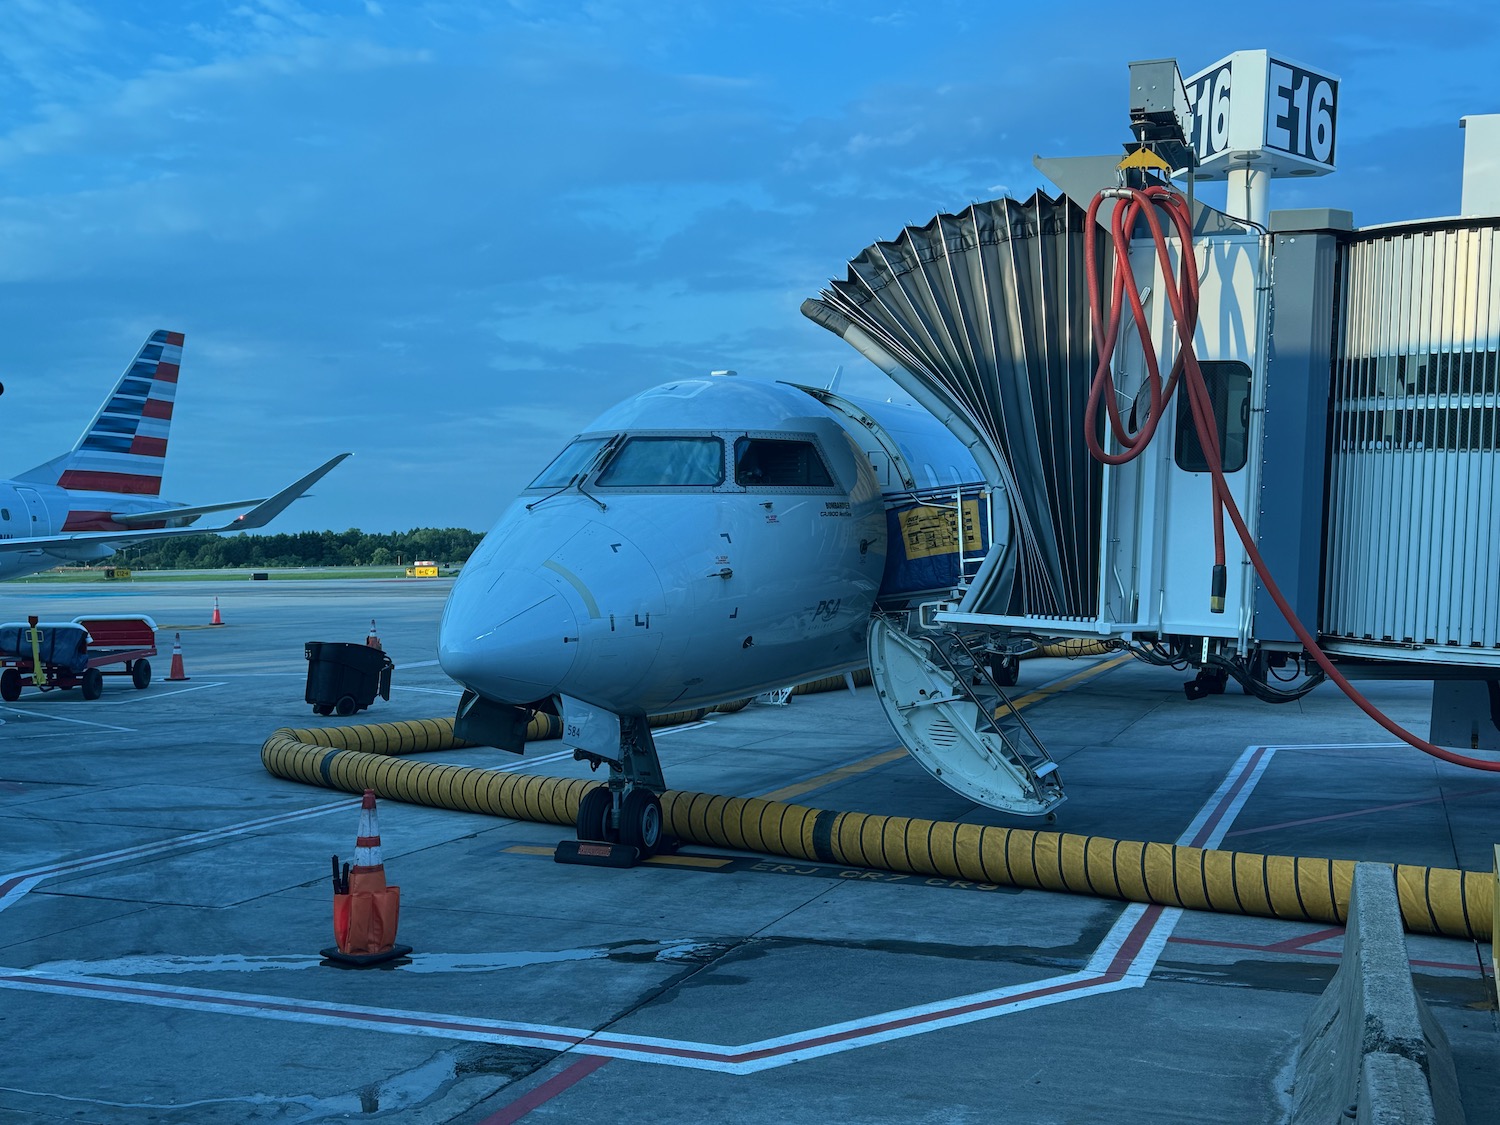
point(1228, 383)
point(569, 463)
point(779, 463)
point(666, 462)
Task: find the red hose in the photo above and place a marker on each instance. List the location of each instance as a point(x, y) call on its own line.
point(1182, 295)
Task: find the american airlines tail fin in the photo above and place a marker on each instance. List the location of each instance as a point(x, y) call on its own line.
point(124, 448)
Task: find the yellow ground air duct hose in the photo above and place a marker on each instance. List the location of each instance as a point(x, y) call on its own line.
point(1433, 900)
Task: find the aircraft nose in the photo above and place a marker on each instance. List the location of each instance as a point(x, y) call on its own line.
point(504, 638)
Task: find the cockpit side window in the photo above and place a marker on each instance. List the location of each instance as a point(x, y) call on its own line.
point(665, 462)
point(779, 463)
point(569, 463)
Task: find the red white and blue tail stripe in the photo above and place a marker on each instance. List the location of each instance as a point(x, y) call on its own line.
point(123, 451)
point(125, 447)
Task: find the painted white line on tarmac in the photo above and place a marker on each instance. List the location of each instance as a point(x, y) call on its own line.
point(65, 719)
point(160, 694)
point(16, 884)
point(1124, 959)
point(683, 727)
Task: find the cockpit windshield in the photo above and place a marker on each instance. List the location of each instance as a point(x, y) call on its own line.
point(569, 463)
point(665, 462)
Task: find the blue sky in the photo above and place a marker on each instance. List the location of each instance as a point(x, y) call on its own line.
point(446, 235)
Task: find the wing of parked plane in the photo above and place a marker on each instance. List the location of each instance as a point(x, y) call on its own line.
point(89, 541)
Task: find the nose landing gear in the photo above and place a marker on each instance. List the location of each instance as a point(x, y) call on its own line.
point(620, 824)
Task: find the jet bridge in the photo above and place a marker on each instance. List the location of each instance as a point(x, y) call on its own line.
point(1355, 394)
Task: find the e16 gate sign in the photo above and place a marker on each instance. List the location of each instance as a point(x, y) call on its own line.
point(1254, 110)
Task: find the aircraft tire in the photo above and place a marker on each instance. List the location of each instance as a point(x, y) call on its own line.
point(10, 685)
point(140, 674)
point(92, 683)
point(1006, 670)
point(593, 815)
point(640, 821)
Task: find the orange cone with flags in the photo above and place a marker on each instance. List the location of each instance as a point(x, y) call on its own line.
point(176, 672)
point(373, 640)
point(365, 909)
point(217, 620)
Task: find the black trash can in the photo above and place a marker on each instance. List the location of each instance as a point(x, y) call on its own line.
point(345, 677)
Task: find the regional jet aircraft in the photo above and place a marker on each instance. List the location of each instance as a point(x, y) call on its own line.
point(705, 541)
point(105, 493)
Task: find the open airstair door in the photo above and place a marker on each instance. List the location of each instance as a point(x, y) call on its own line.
point(953, 717)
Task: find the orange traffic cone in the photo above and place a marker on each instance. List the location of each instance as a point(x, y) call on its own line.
point(177, 673)
point(373, 640)
point(217, 620)
point(365, 909)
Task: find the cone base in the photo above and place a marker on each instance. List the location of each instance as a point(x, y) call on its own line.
point(338, 960)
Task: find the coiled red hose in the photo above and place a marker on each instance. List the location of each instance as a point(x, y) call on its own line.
point(1182, 294)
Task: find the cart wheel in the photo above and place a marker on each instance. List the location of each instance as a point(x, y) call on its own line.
point(346, 705)
point(92, 683)
point(140, 674)
point(322, 708)
point(10, 685)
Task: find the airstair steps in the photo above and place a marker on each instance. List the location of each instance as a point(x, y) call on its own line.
point(969, 736)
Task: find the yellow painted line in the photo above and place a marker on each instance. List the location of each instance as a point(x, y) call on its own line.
point(689, 861)
point(664, 860)
point(886, 756)
point(839, 774)
point(1034, 697)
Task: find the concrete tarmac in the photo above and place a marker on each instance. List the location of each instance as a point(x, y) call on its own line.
point(163, 901)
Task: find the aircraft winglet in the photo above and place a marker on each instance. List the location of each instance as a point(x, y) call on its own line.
point(267, 510)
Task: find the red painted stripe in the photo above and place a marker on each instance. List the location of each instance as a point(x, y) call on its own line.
point(1444, 798)
point(104, 521)
point(1218, 814)
point(367, 841)
point(166, 372)
point(149, 446)
point(174, 338)
point(157, 408)
point(1281, 947)
point(130, 483)
point(11, 884)
point(546, 1091)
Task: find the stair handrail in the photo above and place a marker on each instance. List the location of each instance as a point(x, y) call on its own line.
point(1019, 755)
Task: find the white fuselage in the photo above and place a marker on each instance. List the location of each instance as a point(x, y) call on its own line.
point(703, 541)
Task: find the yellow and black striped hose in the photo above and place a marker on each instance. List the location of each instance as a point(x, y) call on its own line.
point(1434, 900)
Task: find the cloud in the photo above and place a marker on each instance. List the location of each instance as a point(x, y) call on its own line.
point(448, 234)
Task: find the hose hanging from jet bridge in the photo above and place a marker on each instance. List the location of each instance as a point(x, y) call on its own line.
point(1434, 900)
point(1182, 295)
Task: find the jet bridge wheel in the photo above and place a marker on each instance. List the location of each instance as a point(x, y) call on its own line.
point(640, 821)
point(1006, 670)
point(593, 815)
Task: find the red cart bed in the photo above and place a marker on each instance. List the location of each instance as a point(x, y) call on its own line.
point(113, 639)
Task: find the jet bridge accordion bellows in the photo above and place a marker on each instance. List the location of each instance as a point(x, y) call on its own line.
point(985, 316)
point(1413, 527)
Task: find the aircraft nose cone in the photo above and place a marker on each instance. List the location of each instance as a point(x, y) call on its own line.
point(504, 637)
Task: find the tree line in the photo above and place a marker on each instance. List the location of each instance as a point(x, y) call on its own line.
point(448, 546)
